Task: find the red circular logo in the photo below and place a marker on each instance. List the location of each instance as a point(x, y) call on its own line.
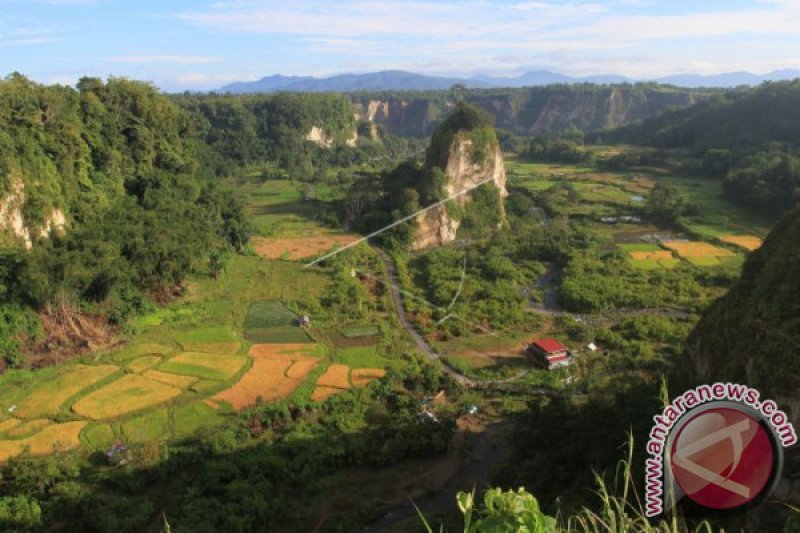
point(722, 458)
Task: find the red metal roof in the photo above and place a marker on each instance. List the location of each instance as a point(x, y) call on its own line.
point(549, 346)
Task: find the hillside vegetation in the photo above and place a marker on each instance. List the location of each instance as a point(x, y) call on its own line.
point(748, 138)
point(116, 159)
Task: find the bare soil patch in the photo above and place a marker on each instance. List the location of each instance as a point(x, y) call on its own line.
point(299, 247)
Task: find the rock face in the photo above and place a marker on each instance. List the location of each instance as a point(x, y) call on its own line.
point(318, 136)
point(530, 111)
point(12, 220)
point(436, 227)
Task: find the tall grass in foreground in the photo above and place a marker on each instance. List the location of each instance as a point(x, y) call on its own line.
point(621, 510)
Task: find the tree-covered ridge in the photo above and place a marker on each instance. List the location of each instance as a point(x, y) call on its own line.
point(748, 138)
point(117, 159)
point(751, 335)
point(240, 130)
point(77, 150)
point(751, 119)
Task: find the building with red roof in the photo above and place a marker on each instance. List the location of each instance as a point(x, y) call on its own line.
point(550, 353)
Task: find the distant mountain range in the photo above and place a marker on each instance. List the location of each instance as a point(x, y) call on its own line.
point(399, 80)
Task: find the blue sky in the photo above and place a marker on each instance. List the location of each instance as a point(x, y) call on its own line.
point(181, 44)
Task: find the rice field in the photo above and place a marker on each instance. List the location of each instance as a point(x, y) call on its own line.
point(228, 348)
point(140, 364)
point(54, 437)
point(289, 352)
point(98, 437)
point(639, 247)
point(204, 365)
point(748, 242)
point(703, 261)
point(26, 429)
point(294, 248)
point(174, 380)
point(48, 397)
point(697, 249)
point(642, 256)
point(322, 393)
point(8, 425)
point(153, 425)
point(361, 377)
point(126, 395)
point(272, 322)
point(335, 376)
point(267, 380)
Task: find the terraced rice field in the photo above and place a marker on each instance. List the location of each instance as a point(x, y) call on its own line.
point(288, 352)
point(361, 377)
point(128, 394)
point(697, 249)
point(204, 365)
point(748, 242)
point(336, 376)
point(140, 364)
point(322, 393)
point(174, 380)
point(228, 348)
point(642, 256)
point(54, 437)
point(268, 380)
point(47, 398)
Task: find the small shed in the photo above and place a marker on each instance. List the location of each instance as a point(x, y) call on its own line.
point(304, 321)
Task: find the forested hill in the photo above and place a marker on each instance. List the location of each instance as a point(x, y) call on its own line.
point(752, 334)
point(238, 130)
point(527, 111)
point(743, 119)
point(100, 183)
point(748, 138)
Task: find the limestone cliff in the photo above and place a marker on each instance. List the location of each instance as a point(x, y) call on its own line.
point(12, 220)
point(469, 155)
point(528, 111)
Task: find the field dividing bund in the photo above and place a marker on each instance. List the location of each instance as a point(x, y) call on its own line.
point(204, 365)
point(47, 398)
point(51, 438)
point(697, 249)
point(126, 395)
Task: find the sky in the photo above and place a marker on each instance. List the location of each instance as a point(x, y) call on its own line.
point(201, 45)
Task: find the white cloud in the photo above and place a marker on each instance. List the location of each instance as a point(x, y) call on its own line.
point(177, 59)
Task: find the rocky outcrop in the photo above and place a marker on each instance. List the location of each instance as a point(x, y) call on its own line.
point(437, 227)
point(13, 222)
point(11, 213)
point(530, 111)
point(318, 136)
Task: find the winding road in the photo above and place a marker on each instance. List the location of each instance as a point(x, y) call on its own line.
point(505, 385)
